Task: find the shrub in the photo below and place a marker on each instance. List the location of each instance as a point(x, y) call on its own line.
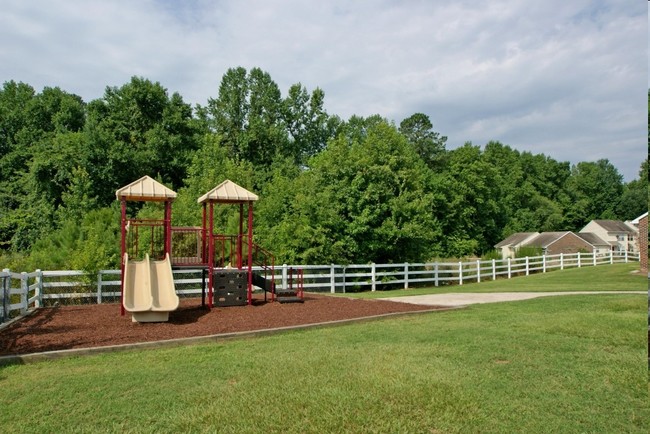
point(529, 251)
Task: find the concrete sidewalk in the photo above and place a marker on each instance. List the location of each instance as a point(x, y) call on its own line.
point(463, 299)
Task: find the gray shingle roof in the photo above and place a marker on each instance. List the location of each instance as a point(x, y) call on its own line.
point(514, 239)
point(592, 239)
point(614, 226)
point(546, 238)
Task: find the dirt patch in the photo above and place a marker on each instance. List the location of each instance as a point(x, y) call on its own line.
point(70, 327)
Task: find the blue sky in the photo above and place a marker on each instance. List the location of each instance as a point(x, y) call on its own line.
point(564, 78)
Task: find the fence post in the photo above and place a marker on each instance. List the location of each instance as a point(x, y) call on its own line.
point(494, 269)
point(406, 275)
point(561, 261)
point(478, 271)
point(626, 256)
point(39, 289)
point(579, 261)
point(6, 296)
point(460, 273)
point(509, 268)
point(435, 274)
point(99, 287)
point(24, 293)
point(543, 263)
point(611, 257)
point(527, 266)
point(373, 276)
point(594, 257)
point(332, 279)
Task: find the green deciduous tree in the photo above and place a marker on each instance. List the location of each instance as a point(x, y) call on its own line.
point(307, 122)
point(136, 130)
point(363, 201)
point(472, 218)
point(594, 190)
point(428, 144)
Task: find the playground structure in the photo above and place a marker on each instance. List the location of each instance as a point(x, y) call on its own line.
point(150, 248)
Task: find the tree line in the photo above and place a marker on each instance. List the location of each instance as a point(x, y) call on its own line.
point(331, 190)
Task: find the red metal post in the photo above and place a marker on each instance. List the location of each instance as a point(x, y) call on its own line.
point(168, 229)
point(210, 254)
point(123, 250)
point(203, 240)
point(250, 252)
point(239, 237)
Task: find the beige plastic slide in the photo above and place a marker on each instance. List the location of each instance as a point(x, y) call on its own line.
point(149, 291)
point(162, 286)
point(137, 296)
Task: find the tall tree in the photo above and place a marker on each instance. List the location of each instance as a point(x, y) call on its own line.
point(38, 133)
point(368, 200)
point(593, 191)
point(428, 144)
point(307, 122)
point(473, 218)
point(634, 200)
point(248, 116)
point(134, 130)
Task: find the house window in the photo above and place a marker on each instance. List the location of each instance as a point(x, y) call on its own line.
point(620, 237)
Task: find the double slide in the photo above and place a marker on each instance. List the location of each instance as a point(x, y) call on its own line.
point(149, 292)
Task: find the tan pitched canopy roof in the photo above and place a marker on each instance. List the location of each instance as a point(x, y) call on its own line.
point(145, 189)
point(228, 192)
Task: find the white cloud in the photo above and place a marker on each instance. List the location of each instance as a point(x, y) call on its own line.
point(566, 78)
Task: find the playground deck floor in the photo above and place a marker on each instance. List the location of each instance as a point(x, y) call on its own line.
point(89, 326)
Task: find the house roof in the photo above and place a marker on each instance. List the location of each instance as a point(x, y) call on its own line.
point(546, 238)
point(145, 189)
point(593, 239)
point(515, 239)
point(228, 192)
point(614, 226)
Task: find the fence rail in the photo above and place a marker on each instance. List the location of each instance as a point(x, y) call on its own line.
point(21, 292)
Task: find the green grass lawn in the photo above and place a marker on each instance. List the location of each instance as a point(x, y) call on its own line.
point(569, 364)
point(616, 277)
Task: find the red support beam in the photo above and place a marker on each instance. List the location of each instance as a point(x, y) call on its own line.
point(210, 254)
point(204, 244)
point(168, 229)
point(240, 253)
point(250, 252)
point(123, 250)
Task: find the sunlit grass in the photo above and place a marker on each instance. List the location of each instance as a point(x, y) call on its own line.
point(567, 364)
point(616, 277)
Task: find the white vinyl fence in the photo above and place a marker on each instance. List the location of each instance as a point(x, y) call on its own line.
point(21, 292)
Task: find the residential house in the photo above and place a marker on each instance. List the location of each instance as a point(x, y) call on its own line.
point(621, 236)
point(509, 246)
point(554, 243)
point(601, 247)
point(641, 223)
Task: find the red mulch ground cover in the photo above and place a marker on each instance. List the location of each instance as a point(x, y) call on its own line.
point(68, 327)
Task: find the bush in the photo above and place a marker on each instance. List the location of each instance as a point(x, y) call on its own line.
point(529, 251)
point(492, 254)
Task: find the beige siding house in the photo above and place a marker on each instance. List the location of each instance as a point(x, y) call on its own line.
point(641, 223)
point(509, 246)
point(621, 236)
point(601, 247)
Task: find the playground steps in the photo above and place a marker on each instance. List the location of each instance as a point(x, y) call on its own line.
point(288, 295)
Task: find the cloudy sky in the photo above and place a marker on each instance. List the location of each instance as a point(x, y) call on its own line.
point(567, 78)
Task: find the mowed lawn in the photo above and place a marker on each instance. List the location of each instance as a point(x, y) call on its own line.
point(616, 277)
point(559, 364)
